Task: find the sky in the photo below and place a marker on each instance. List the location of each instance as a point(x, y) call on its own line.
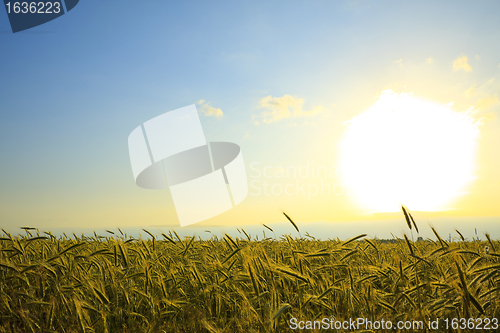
point(287, 81)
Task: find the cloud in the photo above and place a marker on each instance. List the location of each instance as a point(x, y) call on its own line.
point(399, 62)
point(489, 81)
point(462, 63)
point(429, 61)
point(254, 119)
point(206, 109)
point(483, 99)
point(469, 92)
point(487, 102)
point(279, 108)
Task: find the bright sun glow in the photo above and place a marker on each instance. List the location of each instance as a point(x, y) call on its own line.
point(410, 151)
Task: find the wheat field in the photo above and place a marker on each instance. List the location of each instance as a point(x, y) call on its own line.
point(238, 284)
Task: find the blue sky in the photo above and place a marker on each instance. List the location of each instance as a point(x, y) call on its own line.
point(72, 90)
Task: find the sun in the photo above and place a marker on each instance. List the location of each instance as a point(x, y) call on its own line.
point(410, 151)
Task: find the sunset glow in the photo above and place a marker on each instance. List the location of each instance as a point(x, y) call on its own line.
point(408, 150)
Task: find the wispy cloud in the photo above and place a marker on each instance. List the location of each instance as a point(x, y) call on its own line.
point(429, 61)
point(462, 62)
point(206, 109)
point(279, 108)
point(487, 102)
point(490, 81)
point(469, 92)
point(484, 97)
point(255, 119)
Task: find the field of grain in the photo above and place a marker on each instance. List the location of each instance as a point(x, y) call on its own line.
point(238, 284)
